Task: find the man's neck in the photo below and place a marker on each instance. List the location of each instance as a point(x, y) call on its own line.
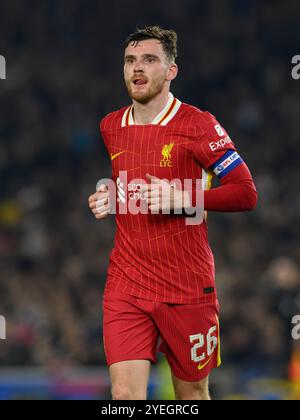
point(145, 114)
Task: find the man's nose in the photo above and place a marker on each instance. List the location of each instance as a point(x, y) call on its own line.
point(139, 66)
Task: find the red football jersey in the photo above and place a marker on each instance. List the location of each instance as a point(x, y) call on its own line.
point(159, 257)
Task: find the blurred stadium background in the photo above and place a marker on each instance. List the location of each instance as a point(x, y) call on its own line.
point(64, 73)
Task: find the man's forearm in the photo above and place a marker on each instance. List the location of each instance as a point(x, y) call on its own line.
point(236, 193)
point(231, 198)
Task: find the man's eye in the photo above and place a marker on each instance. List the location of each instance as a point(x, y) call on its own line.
point(150, 60)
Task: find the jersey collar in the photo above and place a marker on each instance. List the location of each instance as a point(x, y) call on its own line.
point(165, 116)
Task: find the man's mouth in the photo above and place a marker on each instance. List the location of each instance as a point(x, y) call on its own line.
point(140, 82)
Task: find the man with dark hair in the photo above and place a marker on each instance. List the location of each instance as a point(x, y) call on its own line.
point(167, 38)
point(160, 292)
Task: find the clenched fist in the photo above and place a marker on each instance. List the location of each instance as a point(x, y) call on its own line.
point(99, 203)
point(162, 196)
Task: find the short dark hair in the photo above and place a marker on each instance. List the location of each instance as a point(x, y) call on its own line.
point(168, 38)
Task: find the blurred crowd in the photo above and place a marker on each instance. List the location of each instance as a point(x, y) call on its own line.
point(64, 73)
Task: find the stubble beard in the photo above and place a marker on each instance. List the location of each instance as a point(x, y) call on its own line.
point(153, 90)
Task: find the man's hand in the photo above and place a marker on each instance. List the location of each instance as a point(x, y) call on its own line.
point(99, 203)
point(162, 196)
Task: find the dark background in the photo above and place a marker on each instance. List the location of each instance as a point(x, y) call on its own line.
point(64, 73)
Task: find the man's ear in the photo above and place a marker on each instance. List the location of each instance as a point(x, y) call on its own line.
point(172, 72)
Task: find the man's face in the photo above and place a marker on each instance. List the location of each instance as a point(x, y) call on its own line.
point(146, 70)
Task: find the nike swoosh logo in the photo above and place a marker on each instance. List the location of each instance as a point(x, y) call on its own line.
point(112, 156)
point(200, 367)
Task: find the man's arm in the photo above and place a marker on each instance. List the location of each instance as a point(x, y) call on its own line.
point(236, 193)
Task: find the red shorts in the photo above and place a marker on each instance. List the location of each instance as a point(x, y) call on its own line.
point(136, 329)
